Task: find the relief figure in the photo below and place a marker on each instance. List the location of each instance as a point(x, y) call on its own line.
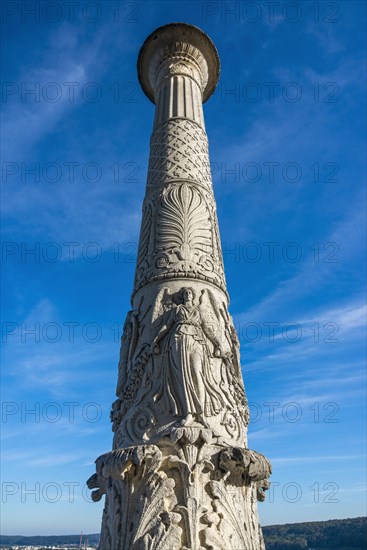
point(184, 342)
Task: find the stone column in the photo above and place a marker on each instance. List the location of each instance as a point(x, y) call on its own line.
point(180, 475)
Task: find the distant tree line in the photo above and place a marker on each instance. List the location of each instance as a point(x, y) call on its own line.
point(338, 534)
point(344, 534)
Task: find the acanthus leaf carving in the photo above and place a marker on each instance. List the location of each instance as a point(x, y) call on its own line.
point(139, 500)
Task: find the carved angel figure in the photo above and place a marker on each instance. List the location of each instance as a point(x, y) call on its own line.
point(187, 387)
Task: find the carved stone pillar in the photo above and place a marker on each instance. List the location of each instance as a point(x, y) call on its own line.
point(180, 475)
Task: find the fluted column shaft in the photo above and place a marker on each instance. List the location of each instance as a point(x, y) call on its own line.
point(179, 96)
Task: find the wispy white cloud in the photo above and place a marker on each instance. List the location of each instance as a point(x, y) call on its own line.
point(73, 209)
point(43, 458)
point(350, 316)
point(35, 361)
point(327, 35)
point(29, 118)
point(317, 458)
point(349, 236)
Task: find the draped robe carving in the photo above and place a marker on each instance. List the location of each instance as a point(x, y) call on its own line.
point(187, 387)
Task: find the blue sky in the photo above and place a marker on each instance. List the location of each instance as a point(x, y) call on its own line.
point(286, 132)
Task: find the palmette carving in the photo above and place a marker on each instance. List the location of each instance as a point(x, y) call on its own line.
point(177, 237)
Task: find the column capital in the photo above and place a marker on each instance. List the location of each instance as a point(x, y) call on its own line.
point(178, 48)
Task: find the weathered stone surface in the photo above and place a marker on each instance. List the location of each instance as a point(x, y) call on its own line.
point(183, 494)
point(180, 475)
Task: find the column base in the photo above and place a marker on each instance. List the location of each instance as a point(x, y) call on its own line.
point(181, 494)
